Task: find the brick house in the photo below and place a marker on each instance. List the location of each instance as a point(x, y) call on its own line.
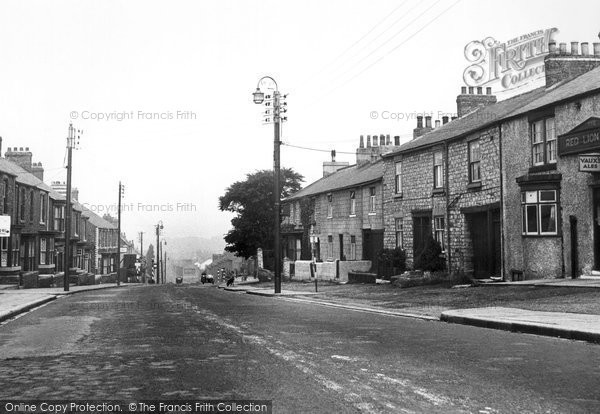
point(340, 216)
point(487, 185)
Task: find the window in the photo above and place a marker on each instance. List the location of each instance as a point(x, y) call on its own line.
point(22, 204)
point(329, 205)
point(543, 142)
point(31, 206)
point(352, 203)
point(352, 247)
point(76, 215)
point(50, 257)
point(16, 243)
point(438, 222)
point(539, 212)
point(474, 162)
point(4, 194)
point(43, 250)
point(438, 170)
point(297, 213)
point(43, 208)
point(4, 251)
point(330, 247)
point(372, 200)
point(399, 177)
point(59, 218)
point(399, 232)
point(84, 230)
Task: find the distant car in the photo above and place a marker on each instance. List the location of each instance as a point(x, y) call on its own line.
point(179, 280)
point(207, 279)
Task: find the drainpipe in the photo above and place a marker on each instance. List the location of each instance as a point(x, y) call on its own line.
point(448, 249)
point(502, 203)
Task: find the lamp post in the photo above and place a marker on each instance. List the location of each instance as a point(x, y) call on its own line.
point(259, 98)
point(159, 227)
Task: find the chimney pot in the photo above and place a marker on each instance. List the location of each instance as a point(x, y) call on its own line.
point(488, 90)
point(375, 141)
point(21, 149)
point(470, 90)
point(585, 48)
point(596, 49)
point(388, 140)
point(397, 141)
point(552, 47)
point(453, 118)
point(368, 141)
point(574, 48)
point(444, 120)
point(479, 90)
point(362, 142)
point(563, 48)
point(26, 148)
point(437, 123)
point(427, 122)
point(419, 121)
point(463, 90)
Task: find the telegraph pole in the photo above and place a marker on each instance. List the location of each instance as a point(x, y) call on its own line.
point(119, 238)
point(142, 257)
point(159, 226)
point(72, 141)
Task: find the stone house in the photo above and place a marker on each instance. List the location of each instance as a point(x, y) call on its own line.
point(340, 216)
point(487, 185)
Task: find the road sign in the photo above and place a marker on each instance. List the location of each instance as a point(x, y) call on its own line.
point(4, 226)
point(589, 163)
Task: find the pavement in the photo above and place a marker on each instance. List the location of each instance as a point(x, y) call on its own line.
point(15, 301)
point(557, 324)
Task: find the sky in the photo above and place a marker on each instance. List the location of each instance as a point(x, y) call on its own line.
point(163, 89)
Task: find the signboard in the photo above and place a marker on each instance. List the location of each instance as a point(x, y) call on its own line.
point(582, 138)
point(589, 163)
point(4, 226)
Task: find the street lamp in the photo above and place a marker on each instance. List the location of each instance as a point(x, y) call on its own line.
point(259, 97)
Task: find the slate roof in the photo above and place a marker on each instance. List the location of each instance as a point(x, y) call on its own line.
point(95, 219)
point(348, 177)
point(506, 109)
point(25, 177)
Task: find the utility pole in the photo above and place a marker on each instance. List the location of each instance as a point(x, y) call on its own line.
point(159, 226)
point(72, 141)
point(164, 272)
point(142, 257)
point(119, 237)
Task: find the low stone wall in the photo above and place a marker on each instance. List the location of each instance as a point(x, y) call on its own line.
point(337, 270)
point(29, 280)
point(45, 280)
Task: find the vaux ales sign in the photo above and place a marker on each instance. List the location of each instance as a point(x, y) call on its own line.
point(583, 138)
point(589, 163)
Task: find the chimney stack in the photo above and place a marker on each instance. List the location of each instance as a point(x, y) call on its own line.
point(444, 120)
point(20, 157)
point(563, 66)
point(38, 170)
point(420, 130)
point(469, 102)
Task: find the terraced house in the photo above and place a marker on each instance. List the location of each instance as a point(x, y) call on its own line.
point(340, 216)
point(501, 188)
point(36, 245)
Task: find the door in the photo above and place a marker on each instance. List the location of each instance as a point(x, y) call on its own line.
point(596, 228)
point(342, 255)
point(421, 232)
point(485, 232)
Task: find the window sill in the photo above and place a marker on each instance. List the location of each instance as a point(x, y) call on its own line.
point(398, 195)
point(352, 215)
point(372, 214)
point(542, 168)
point(537, 236)
point(438, 191)
point(474, 186)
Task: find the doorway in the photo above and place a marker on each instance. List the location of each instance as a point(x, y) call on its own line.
point(485, 231)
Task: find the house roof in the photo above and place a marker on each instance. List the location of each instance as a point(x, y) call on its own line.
point(503, 110)
point(95, 219)
point(348, 177)
point(25, 177)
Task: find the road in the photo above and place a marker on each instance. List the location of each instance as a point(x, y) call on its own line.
point(199, 342)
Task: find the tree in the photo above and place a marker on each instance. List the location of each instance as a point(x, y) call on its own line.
point(252, 201)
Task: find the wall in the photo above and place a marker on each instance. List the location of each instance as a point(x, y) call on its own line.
point(327, 270)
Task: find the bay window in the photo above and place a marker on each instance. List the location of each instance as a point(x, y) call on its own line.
point(540, 213)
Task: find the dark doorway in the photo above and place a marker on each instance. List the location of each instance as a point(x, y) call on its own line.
point(372, 245)
point(485, 239)
point(342, 255)
point(574, 251)
point(596, 228)
point(421, 232)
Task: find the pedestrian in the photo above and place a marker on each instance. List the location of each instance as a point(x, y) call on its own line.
point(230, 280)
